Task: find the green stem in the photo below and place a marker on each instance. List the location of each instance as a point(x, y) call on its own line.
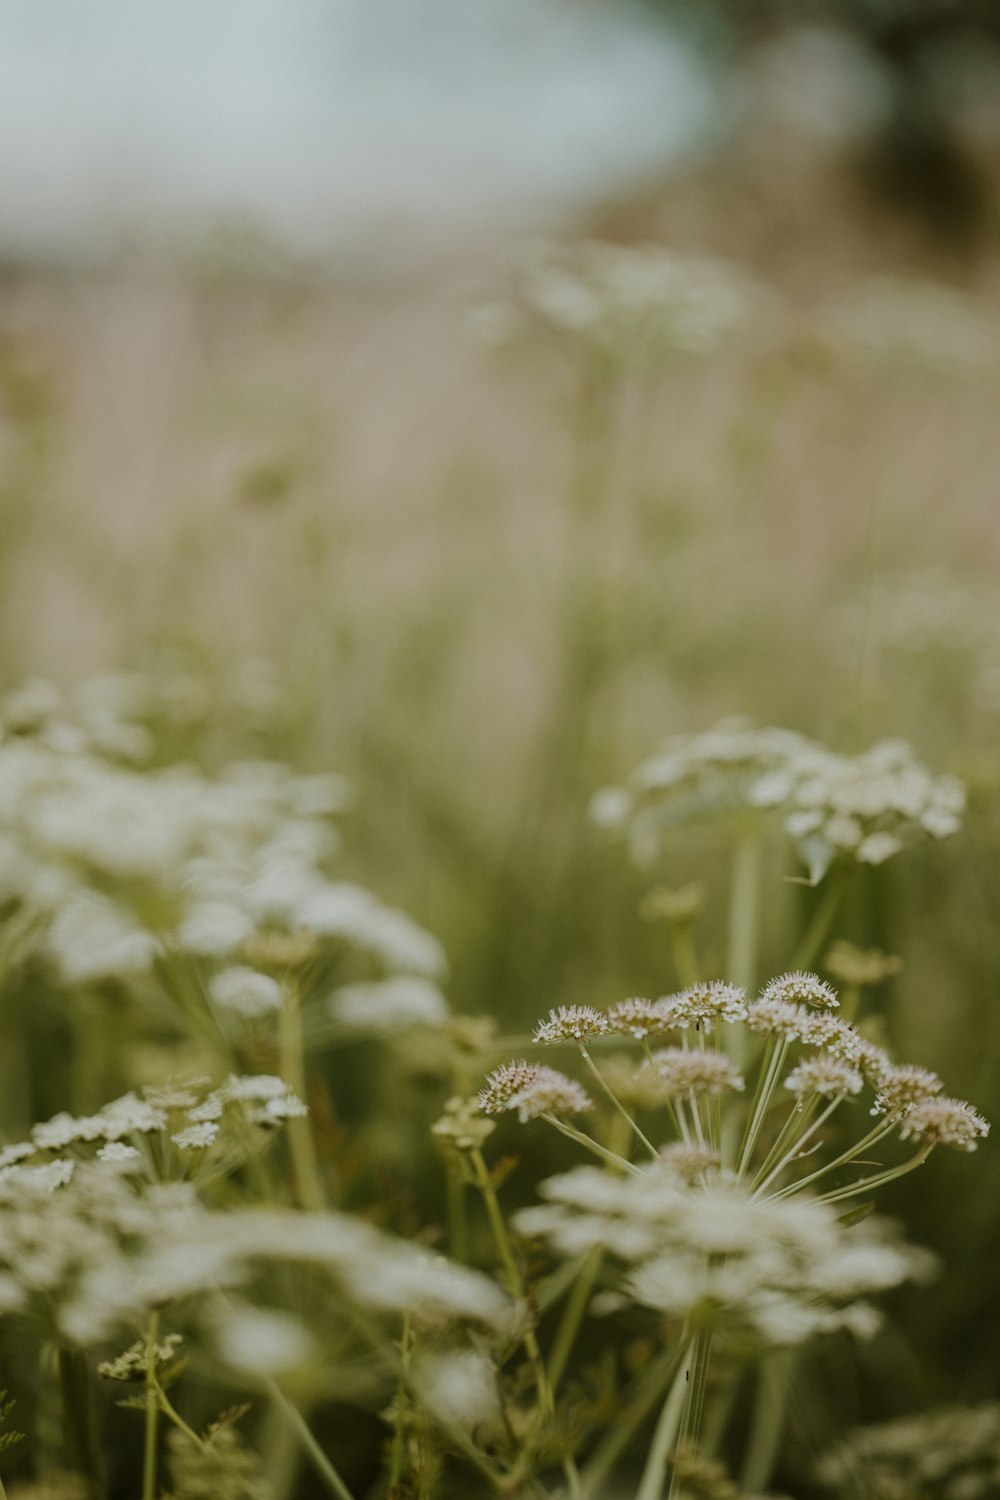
point(797, 1118)
point(878, 1133)
point(768, 1421)
point(587, 1141)
point(877, 1179)
point(685, 954)
point(305, 1163)
point(398, 1439)
point(152, 1412)
point(169, 1410)
point(744, 909)
point(665, 1436)
point(769, 1074)
point(695, 1404)
point(822, 919)
point(793, 1150)
point(649, 1390)
point(515, 1283)
point(78, 1417)
point(615, 1101)
point(297, 1421)
point(573, 1313)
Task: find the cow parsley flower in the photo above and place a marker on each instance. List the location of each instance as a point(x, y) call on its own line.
point(246, 991)
point(866, 807)
point(829, 1077)
point(704, 1005)
point(532, 1090)
point(903, 1085)
point(550, 1093)
point(776, 1271)
point(682, 1072)
point(639, 1018)
point(799, 988)
point(944, 1122)
point(389, 1005)
point(572, 1023)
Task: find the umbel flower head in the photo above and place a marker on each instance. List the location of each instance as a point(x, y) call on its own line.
point(628, 304)
point(109, 868)
point(532, 1090)
point(572, 1023)
point(778, 1272)
point(683, 1072)
point(864, 807)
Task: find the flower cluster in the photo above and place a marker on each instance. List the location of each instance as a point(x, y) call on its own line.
point(640, 303)
point(867, 807)
point(809, 1052)
point(950, 1453)
point(188, 1115)
point(105, 869)
point(94, 1254)
point(533, 1090)
point(778, 1271)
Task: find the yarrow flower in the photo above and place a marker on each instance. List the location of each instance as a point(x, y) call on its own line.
point(689, 1162)
point(901, 1086)
point(682, 1072)
point(532, 1089)
point(866, 807)
point(628, 303)
point(639, 1018)
point(830, 1034)
point(550, 1093)
point(703, 1005)
point(944, 1122)
point(778, 1271)
point(827, 1076)
point(572, 1023)
point(799, 988)
point(776, 1018)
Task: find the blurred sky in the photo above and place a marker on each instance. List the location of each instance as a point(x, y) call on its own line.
point(331, 125)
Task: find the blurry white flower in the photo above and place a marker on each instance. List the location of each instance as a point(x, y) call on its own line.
point(459, 1387)
point(260, 1340)
point(246, 991)
point(91, 939)
point(389, 1004)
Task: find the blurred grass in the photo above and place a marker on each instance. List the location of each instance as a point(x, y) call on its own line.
point(334, 476)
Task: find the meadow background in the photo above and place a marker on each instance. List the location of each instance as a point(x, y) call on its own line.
point(294, 471)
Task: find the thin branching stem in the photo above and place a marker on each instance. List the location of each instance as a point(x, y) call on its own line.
point(615, 1101)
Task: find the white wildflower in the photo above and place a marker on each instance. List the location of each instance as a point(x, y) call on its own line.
point(638, 1018)
point(827, 1076)
point(703, 1005)
point(118, 1154)
point(550, 1092)
point(799, 988)
point(389, 1004)
point(246, 991)
point(460, 1388)
point(900, 1086)
point(90, 938)
point(693, 1072)
point(572, 1023)
point(944, 1122)
point(261, 1340)
point(196, 1137)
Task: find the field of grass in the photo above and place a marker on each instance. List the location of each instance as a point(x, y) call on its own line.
point(344, 586)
